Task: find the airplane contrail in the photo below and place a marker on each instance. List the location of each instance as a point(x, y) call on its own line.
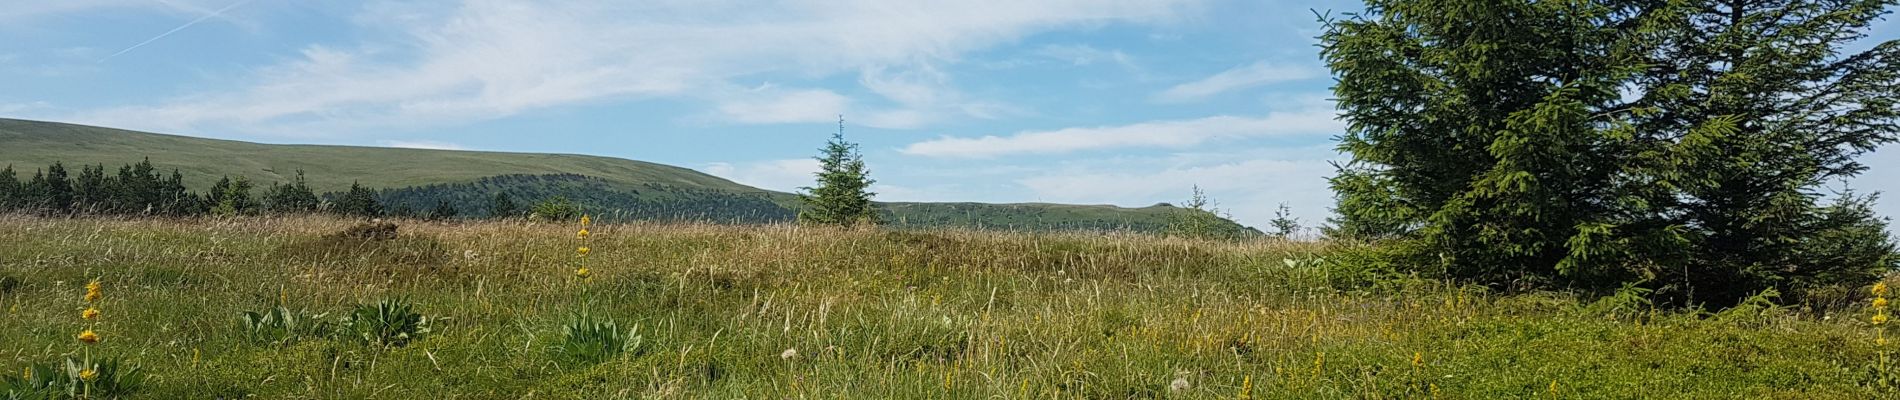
point(213, 14)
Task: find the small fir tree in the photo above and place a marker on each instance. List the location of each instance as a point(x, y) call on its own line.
point(842, 197)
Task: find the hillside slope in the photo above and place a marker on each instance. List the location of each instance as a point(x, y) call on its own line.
point(418, 178)
point(33, 144)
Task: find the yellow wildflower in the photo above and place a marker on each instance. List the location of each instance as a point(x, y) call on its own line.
point(582, 234)
point(88, 374)
point(1880, 288)
point(1418, 359)
point(585, 220)
point(1880, 302)
point(1880, 318)
point(89, 314)
point(582, 272)
point(89, 337)
point(583, 251)
point(94, 286)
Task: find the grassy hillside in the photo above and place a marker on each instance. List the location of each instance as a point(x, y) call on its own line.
point(727, 312)
point(31, 144)
point(625, 187)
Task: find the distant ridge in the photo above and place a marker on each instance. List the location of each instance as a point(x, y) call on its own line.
point(413, 176)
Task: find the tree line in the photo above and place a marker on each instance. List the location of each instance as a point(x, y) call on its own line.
point(141, 189)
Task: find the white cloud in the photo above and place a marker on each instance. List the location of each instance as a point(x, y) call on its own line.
point(23, 108)
point(1250, 189)
point(421, 144)
point(493, 58)
point(1259, 73)
point(1082, 55)
point(781, 175)
point(769, 105)
point(1164, 134)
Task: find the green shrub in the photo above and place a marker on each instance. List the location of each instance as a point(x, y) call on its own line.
point(388, 323)
point(557, 209)
point(587, 340)
point(281, 325)
point(111, 379)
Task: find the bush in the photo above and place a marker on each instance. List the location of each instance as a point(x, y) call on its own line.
point(557, 209)
point(111, 379)
point(587, 340)
point(388, 323)
point(281, 325)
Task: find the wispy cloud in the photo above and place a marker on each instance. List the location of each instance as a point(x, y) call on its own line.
point(768, 104)
point(1260, 73)
point(495, 58)
point(1160, 134)
point(1248, 186)
point(781, 175)
point(213, 14)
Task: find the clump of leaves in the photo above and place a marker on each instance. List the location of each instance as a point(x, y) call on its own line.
point(109, 379)
point(388, 323)
point(10, 284)
point(588, 340)
point(281, 325)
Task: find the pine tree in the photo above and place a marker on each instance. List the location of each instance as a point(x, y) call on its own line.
point(359, 201)
point(57, 190)
point(842, 197)
point(1597, 143)
point(138, 188)
point(90, 190)
point(1198, 218)
point(444, 210)
point(173, 199)
point(1284, 224)
point(33, 194)
point(504, 206)
point(293, 197)
point(1763, 106)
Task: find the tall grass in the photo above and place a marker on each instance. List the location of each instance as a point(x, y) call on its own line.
point(792, 312)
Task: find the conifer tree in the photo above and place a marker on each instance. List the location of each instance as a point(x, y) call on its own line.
point(1198, 218)
point(33, 194)
point(138, 188)
point(504, 206)
point(173, 199)
point(293, 197)
point(1283, 223)
point(91, 191)
point(57, 190)
point(359, 201)
point(1590, 144)
point(444, 210)
point(842, 197)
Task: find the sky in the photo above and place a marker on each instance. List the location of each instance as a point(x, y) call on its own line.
point(1124, 102)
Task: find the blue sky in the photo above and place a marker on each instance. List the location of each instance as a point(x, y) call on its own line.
point(1127, 102)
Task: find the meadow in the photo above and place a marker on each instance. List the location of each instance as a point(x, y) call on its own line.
point(782, 311)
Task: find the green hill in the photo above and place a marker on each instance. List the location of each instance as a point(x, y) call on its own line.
point(418, 178)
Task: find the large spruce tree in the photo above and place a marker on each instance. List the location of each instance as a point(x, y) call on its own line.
point(1588, 144)
point(842, 196)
